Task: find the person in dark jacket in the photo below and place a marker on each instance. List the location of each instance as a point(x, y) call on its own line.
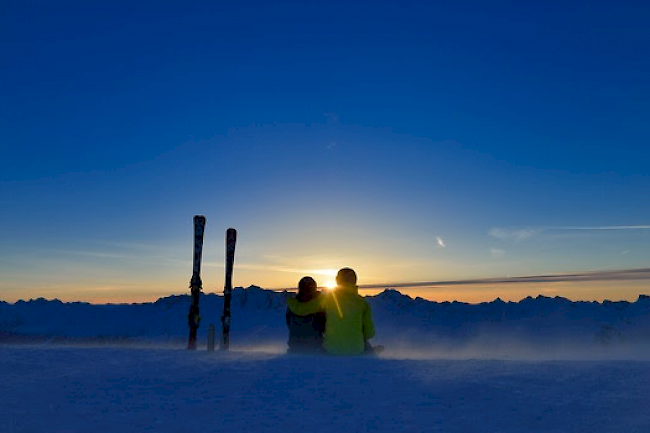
point(306, 332)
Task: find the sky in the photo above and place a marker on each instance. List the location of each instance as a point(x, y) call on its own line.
point(420, 142)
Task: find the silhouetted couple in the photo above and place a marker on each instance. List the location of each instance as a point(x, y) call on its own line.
point(337, 322)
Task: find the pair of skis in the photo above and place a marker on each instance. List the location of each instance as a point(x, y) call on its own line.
point(194, 318)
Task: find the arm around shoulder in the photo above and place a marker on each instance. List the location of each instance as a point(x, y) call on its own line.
point(305, 308)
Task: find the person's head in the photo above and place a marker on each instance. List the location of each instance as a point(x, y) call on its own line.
point(346, 277)
point(306, 287)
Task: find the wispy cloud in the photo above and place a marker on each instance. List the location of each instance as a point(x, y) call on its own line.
point(122, 256)
point(615, 275)
point(522, 234)
point(332, 118)
point(516, 235)
point(497, 253)
point(271, 263)
point(634, 227)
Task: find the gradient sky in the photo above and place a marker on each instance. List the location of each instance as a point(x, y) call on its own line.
point(439, 141)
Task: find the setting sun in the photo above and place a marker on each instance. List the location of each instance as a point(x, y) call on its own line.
point(330, 274)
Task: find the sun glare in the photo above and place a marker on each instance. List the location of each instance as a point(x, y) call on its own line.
point(329, 274)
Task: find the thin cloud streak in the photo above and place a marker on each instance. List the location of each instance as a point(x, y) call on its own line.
point(527, 233)
point(123, 257)
point(617, 275)
point(637, 227)
point(517, 235)
point(277, 268)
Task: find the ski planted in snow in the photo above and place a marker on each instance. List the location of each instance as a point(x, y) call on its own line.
point(231, 240)
point(193, 318)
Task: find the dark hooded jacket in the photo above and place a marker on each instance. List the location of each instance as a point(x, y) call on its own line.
point(306, 332)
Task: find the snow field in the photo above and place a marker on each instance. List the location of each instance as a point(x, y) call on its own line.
point(50, 388)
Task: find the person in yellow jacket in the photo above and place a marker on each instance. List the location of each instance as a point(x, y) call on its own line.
point(348, 324)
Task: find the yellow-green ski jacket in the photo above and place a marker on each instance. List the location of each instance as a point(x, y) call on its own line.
point(348, 319)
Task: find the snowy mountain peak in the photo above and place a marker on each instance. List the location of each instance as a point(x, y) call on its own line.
point(393, 294)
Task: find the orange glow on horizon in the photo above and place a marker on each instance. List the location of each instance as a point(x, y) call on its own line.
point(574, 291)
point(116, 292)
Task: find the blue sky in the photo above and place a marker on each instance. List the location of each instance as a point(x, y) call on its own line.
point(414, 142)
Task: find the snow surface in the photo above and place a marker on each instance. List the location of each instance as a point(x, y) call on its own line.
point(540, 365)
point(94, 389)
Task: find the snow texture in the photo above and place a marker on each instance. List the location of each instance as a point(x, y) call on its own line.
point(539, 365)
